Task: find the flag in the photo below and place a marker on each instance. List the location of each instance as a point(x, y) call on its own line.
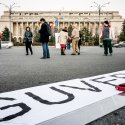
point(56, 22)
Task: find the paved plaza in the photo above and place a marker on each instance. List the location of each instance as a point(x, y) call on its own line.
point(18, 71)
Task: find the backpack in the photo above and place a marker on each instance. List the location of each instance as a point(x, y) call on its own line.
point(49, 32)
point(106, 32)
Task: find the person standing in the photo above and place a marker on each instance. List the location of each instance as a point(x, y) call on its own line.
point(28, 40)
point(44, 38)
point(63, 38)
point(80, 41)
point(106, 36)
point(75, 39)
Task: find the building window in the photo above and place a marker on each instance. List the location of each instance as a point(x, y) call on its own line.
point(80, 13)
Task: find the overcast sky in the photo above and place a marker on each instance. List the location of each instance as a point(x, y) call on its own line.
point(85, 5)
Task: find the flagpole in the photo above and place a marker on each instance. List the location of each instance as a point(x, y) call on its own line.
point(58, 23)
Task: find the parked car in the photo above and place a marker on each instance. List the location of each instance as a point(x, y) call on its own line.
point(6, 44)
point(120, 44)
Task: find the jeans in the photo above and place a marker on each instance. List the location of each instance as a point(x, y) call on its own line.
point(107, 46)
point(45, 50)
point(28, 46)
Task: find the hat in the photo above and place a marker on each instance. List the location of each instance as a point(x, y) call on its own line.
point(106, 22)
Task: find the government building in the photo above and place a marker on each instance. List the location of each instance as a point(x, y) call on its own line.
point(88, 19)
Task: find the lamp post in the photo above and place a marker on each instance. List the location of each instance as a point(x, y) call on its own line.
point(99, 7)
point(10, 7)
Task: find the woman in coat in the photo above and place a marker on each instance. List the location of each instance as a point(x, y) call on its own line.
point(63, 38)
point(28, 40)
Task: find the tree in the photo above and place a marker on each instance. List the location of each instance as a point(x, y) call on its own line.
point(122, 34)
point(123, 28)
point(86, 35)
point(36, 35)
point(5, 34)
point(96, 39)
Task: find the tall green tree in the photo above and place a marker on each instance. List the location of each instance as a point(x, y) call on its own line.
point(96, 39)
point(86, 35)
point(122, 34)
point(5, 34)
point(123, 27)
point(36, 35)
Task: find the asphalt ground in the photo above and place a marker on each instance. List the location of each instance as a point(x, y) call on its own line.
point(18, 71)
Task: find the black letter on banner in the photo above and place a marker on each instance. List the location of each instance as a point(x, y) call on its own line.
point(115, 75)
point(24, 107)
point(37, 98)
point(7, 99)
point(94, 89)
point(105, 82)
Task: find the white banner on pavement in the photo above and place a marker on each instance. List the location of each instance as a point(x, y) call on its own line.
point(35, 105)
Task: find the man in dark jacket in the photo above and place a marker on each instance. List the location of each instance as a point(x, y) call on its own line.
point(44, 38)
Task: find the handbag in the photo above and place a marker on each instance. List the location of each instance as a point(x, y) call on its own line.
point(25, 40)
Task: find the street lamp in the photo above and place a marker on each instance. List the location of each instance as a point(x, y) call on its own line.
point(99, 7)
point(10, 7)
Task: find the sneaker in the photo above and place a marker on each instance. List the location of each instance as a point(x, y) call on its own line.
point(73, 54)
point(42, 58)
point(78, 53)
point(110, 54)
point(63, 54)
point(104, 54)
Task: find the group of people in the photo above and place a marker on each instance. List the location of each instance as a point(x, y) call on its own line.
point(44, 39)
point(106, 36)
point(64, 39)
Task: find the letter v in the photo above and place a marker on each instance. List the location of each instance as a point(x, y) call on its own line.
point(92, 88)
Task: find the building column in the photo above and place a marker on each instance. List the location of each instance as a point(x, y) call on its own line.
point(89, 26)
point(32, 26)
point(79, 26)
point(58, 25)
point(68, 23)
point(22, 30)
point(84, 24)
point(63, 24)
point(95, 28)
point(17, 30)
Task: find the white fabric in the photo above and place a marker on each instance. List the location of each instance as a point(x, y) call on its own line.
point(63, 37)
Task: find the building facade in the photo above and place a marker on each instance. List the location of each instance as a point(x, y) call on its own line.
point(89, 19)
